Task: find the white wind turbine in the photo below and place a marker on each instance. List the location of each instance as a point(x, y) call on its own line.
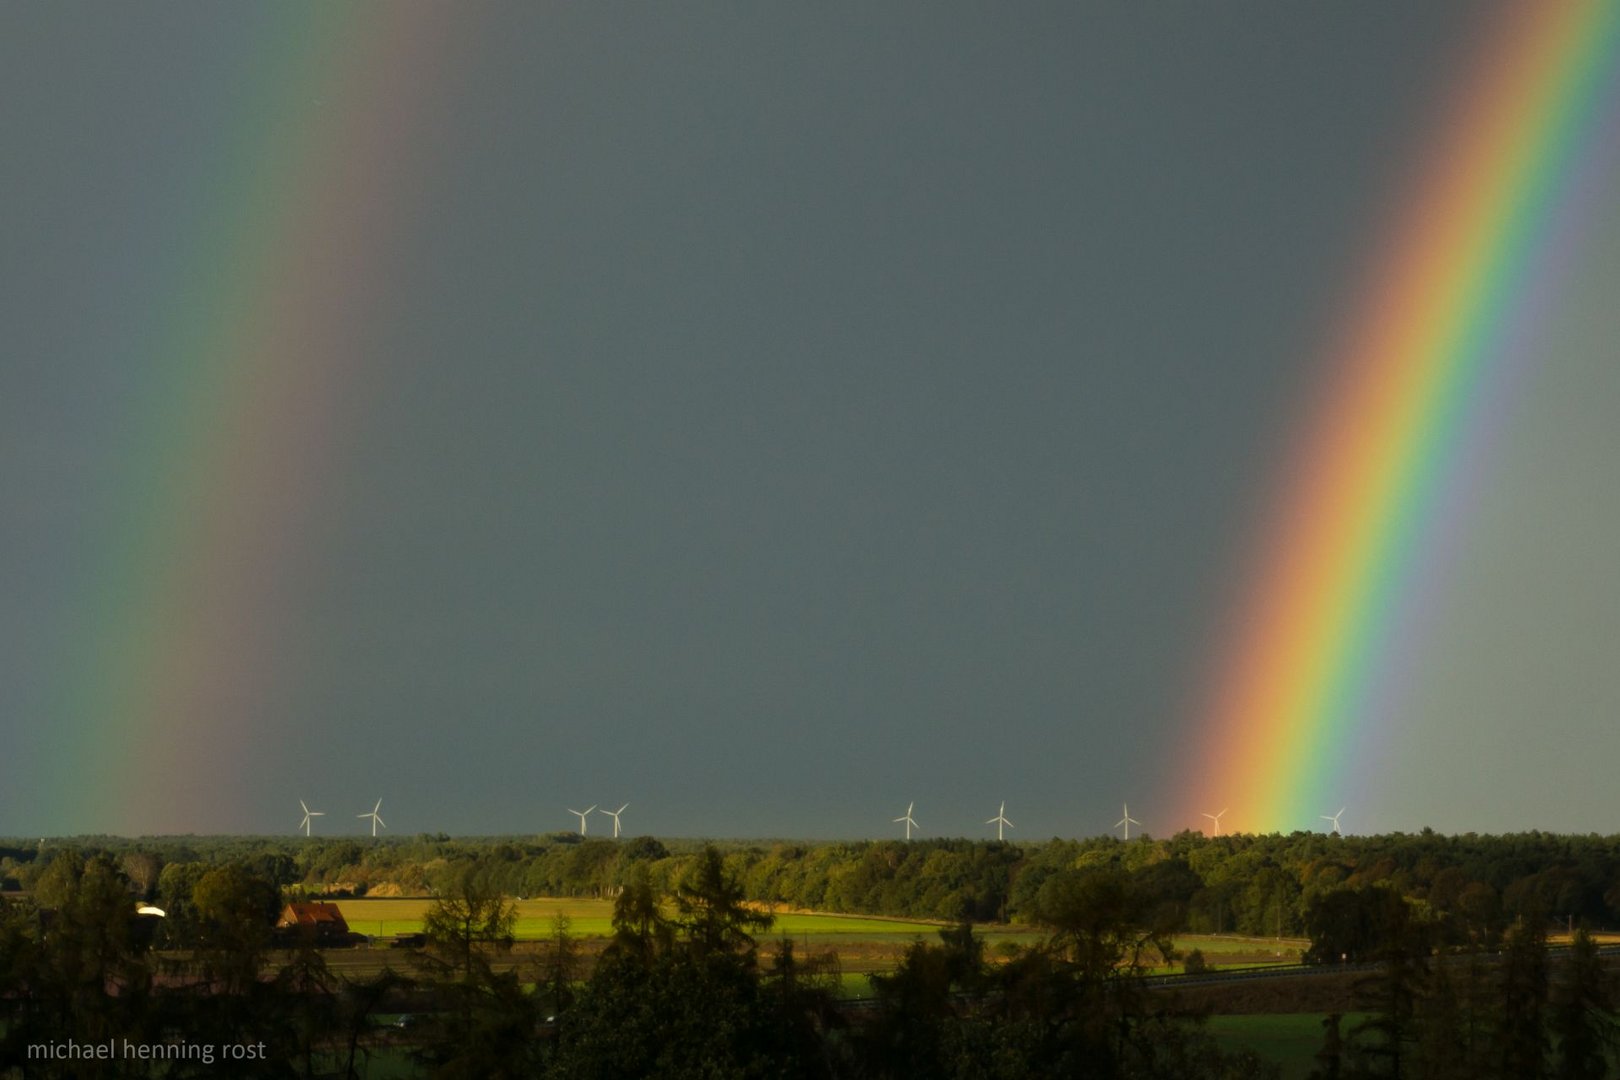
point(999, 821)
point(581, 815)
point(1128, 821)
point(614, 814)
point(912, 824)
point(1216, 818)
point(376, 819)
point(308, 813)
point(1335, 819)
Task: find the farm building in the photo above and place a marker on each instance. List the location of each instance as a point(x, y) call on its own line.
point(319, 918)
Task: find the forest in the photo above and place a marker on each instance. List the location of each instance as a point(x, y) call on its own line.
point(1461, 981)
point(1471, 887)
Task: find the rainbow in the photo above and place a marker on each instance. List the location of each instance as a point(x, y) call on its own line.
point(1305, 681)
point(248, 365)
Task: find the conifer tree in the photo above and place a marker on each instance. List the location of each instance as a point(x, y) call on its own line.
point(1521, 1033)
point(1583, 1014)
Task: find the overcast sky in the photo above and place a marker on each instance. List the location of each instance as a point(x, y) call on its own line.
point(771, 415)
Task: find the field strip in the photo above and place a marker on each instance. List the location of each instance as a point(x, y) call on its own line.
point(586, 918)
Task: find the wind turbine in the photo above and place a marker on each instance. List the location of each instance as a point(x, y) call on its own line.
point(912, 824)
point(614, 814)
point(376, 820)
point(999, 821)
point(1128, 821)
point(308, 813)
point(1335, 819)
point(1216, 818)
point(581, 815)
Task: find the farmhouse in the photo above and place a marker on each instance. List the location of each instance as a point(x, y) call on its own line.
point(321, 919)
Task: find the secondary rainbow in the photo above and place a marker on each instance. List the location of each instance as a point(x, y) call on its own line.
point(1303, 682)
point(249, 362)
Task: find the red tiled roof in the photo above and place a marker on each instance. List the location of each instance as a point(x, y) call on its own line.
point(316, 913)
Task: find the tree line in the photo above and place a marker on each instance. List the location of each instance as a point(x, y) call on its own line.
point(690, 984)
point(1473, 886)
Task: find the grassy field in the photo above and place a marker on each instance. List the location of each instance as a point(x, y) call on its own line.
point(1289, 1039)
point(594, 918)
point(386, 918)
point(1227, 951)
point(393, 917)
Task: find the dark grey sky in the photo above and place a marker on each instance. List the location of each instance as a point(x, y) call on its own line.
point(764, 416)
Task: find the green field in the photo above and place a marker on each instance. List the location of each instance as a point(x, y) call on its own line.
point(1289, 1039)
point(391, 918)
point(1225, 951)
point(1227, 944)
point(594, 918)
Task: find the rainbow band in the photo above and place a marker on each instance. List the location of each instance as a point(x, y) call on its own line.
point(1296, 698)
point(247, 372)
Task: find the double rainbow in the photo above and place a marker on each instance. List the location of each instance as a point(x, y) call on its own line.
point(1308, 683)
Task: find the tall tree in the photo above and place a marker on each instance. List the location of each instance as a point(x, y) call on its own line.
point(1330, 1058)
point(234, 911)
point(81, 975)
point(640, 929)
point(486, 1028)
point(561, 967)
point(1583, 1014)
point(470, 917)
point(713, 911)
point(1521, 1039)
point(1393, 991)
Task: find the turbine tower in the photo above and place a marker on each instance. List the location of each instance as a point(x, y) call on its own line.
point(1335, 819)
point(581, 815)
point(1216, 818)
point(1128, 821)
point(308, 813)
point(614, 814)
point(376, 820)
point(907, 819)
point(999, 821)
